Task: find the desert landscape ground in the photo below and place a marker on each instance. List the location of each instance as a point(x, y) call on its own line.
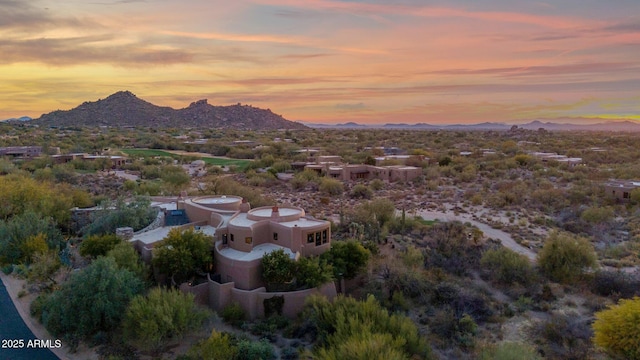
point(463, 250)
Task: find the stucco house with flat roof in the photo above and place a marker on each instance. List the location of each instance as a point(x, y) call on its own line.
point(621, 189)
point(241, 236)
point(353, 172)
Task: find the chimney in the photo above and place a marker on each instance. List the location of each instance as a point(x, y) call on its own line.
point(245, 206)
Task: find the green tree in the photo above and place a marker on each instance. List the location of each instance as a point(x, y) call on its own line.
point(217, 346)
point(43, 267)
point(151, 320)
point(311, 272)
point(352, 329)
point(127, 257)
point(91, 301)
point(331, 186)
point(175, 178)
point(361, 191)
point(347, 258)
point(564, 257)
point(137, 214)
point(508, 267)
point(17, 236)
point(33, 245)
point(255, 350)
point(183, 253)
point(277, 267)
point(597, 215)
point(617, 329)
point(98, 245)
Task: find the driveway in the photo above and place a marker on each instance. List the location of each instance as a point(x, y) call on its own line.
point(506, 239)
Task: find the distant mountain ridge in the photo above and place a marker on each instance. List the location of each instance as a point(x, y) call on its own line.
point(124, 109)
point(624, 125)
point(18, 120)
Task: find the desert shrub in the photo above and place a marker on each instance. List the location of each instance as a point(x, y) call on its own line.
point(331, 186)
point(114, 214)
point(311, 272)
point(281, 166)
point(597, 215)
point(509, 351)
point(217, 346)
point(92, 301)
point(182, 254)
point(346, 258)
point(127, 257)
point(618, 283)
point(361, 191)
point(19, 236)
point(277, 267)
point(348, 328)
point(151, 320)
point(564, 257)
point(376, 184)
point(33, 245)
point(508, 267)
point(224, 185)
point(254, 350)
point(98, 245)
point(233, 314)
point(617, 329)
point(565, 336)
point(451, 249)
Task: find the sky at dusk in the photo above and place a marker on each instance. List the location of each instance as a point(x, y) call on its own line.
point(330, 61)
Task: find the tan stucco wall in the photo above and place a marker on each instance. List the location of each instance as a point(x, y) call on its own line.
point(252, 301)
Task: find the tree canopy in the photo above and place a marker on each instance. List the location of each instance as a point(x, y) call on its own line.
point(183, 253)
point(564, 256)
point(91, 301)
point(162, 314)
point(617, 329)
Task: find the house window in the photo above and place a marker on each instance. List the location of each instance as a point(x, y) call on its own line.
point(324, 236)
point(318, 239)
point(310, 237)
point(248, 240)
point(225, 239)
point(625, 195)
point(275, 236)
point(232, 237)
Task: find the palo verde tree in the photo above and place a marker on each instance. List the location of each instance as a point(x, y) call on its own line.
point(161, 315)
point(617, 329)
point(564, 257)
point(91, 301)
point(347, 258)
point(183, 253)
point(352, 329)
point(277, 267)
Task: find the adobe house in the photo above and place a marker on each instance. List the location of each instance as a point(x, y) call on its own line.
point(353, 172)
point(241, 236)
point(621, 189)
point(21, 151)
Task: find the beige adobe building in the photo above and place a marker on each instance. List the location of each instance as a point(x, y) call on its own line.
point(21, 151)
point(331, 166)
point(114, 162)
point(547, 156)
point(241, 236)
point(621, 189)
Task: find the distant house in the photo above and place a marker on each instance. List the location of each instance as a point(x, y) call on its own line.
point(621, 189)
point(24, 152)
point(549, 156)
point(333, 167)
point(113, 162)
